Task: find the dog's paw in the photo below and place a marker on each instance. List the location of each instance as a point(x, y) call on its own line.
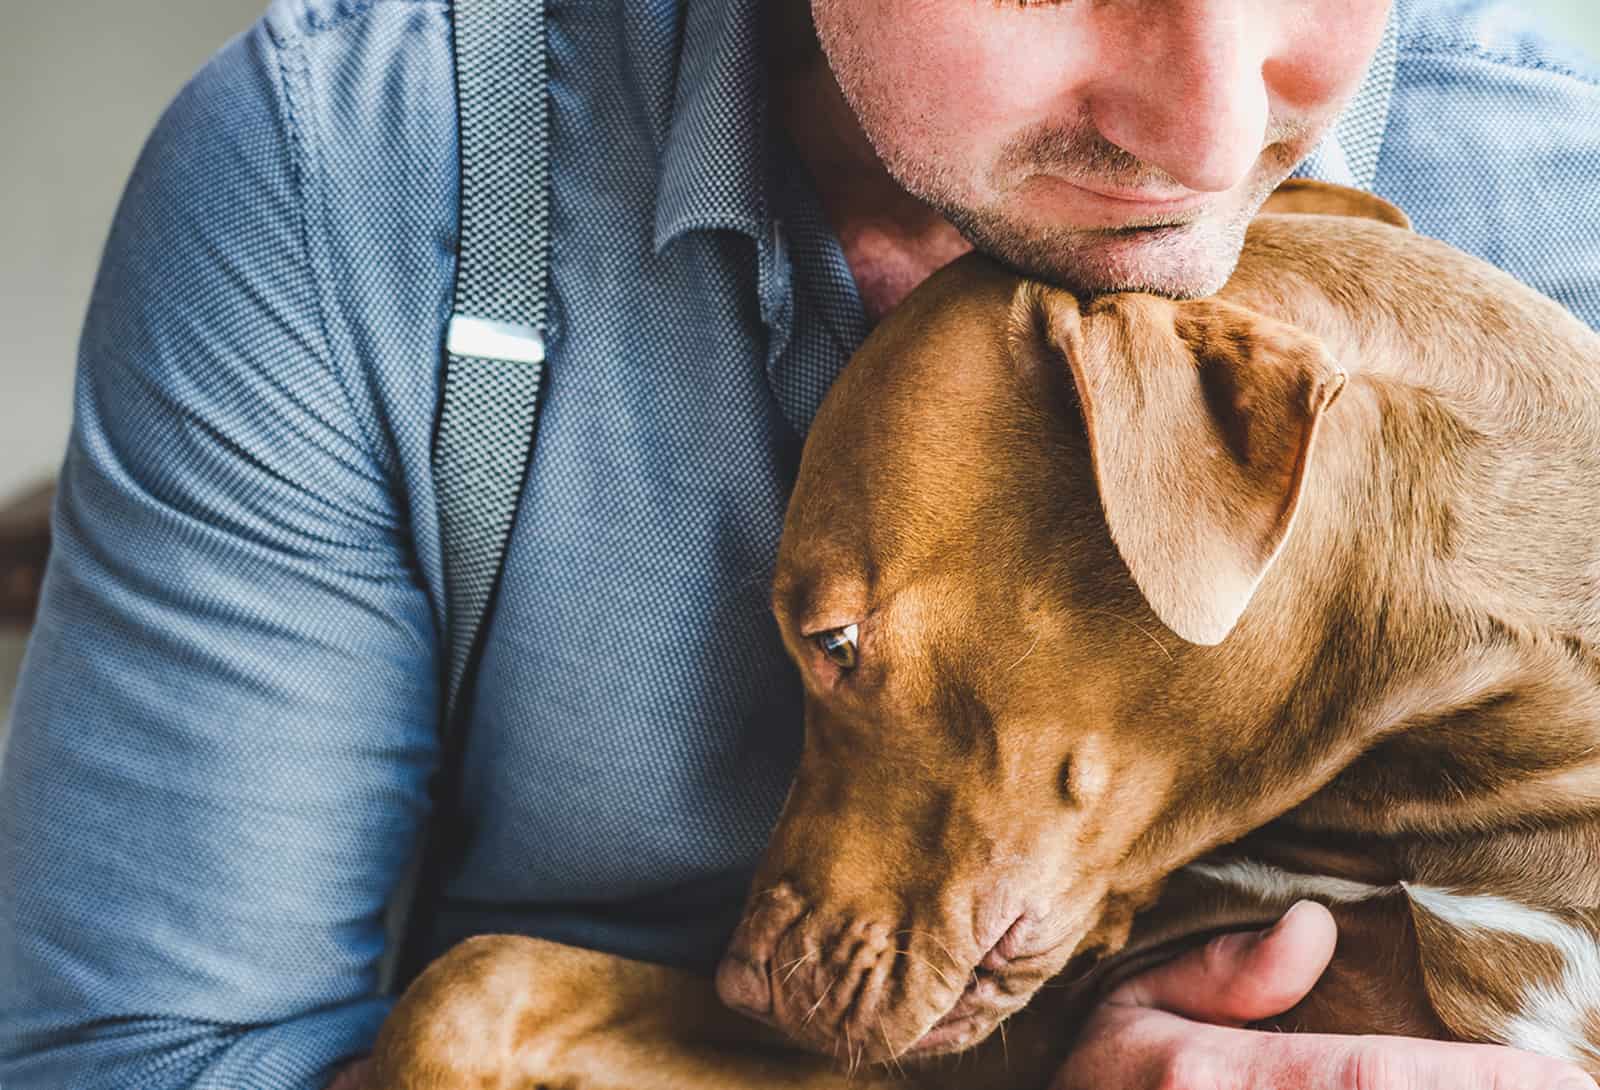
point(474, 1020)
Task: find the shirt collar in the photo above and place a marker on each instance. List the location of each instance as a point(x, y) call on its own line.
point(713, 160)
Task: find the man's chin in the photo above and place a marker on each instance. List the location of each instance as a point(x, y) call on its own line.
point(1183, 261)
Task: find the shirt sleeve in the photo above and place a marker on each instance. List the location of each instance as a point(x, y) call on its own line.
point(225, 720)
point(1493, 146)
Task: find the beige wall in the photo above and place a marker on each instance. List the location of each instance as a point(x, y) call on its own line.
point(1579, 20)
point(81, 82)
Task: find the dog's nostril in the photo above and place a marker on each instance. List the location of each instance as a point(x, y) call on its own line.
point(1005, 947)
point(743, 987)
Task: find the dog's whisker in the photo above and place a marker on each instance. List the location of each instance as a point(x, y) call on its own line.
point(1135, 624)
point(820, 1000)
point(934, 969)
point(744, 593)
point(794, 966)
point(894, 1057)
point(1025, 654)
point(931, 937)
point(770, 891)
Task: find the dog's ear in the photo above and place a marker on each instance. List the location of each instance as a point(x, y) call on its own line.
point(1200, 417)
point(1306, 195)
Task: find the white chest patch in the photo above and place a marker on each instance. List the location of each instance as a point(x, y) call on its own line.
point(1555, 1020)
point(1275, 885)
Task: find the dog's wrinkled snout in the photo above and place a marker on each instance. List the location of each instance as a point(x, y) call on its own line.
point(845, 983)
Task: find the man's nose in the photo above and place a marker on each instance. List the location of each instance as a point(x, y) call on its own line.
point(1188, 95)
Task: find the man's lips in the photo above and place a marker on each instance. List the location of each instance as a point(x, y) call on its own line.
point(1164, 198)
point(1111, 207)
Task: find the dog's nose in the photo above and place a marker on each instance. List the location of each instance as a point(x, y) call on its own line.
point(743, 987)
point(743, 977)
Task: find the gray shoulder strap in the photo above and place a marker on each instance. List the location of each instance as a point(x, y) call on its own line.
point(494, 350)
point(493, 371)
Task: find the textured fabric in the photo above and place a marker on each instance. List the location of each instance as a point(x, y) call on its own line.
point(226, 719)
point(490, 403)
point(486, 421)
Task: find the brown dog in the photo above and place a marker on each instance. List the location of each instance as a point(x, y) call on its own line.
point(1116, 631)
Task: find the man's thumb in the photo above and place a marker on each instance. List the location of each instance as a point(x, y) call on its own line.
point(1238, 978)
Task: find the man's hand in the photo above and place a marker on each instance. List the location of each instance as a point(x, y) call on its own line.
point(1178, 1027)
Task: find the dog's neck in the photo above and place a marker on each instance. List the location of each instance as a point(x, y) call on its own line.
point(1387, 735)
point(1430, 681)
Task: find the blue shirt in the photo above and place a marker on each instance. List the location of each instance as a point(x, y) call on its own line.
point(225, 720)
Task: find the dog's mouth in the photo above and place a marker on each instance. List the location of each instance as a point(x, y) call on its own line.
point(873, 989)
point(1029, 954)
point(1001, 984)
point(982, 1006)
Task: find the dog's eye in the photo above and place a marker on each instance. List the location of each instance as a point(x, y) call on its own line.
point(839, 645)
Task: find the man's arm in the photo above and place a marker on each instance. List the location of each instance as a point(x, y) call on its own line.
point(226, 717)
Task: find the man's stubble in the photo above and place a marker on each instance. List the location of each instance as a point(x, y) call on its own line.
point(1178, 256)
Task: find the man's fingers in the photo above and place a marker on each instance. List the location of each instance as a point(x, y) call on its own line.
point(1153, 1031)
point(1239, 978)
point(1129, 1048)
point(1401, 1063)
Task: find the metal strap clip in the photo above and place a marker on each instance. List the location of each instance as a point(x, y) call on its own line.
point(487, 339)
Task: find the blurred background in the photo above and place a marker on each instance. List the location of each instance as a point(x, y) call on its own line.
point(81, 83)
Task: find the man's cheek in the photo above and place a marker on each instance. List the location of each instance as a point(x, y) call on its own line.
point(1321, 64)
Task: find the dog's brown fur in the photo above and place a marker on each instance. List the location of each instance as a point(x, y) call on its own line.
point(1357, 484)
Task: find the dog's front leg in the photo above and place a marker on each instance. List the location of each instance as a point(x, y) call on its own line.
point(503, 1012)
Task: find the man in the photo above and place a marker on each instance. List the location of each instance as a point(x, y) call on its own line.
point(225, 726)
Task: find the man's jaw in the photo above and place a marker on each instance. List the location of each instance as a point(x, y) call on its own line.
point(1070, 210)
